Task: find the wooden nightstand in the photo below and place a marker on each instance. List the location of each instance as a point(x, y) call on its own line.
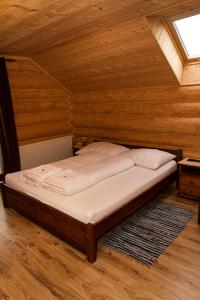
point(189, 180)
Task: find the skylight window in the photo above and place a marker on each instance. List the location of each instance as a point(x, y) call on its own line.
point(188, 30)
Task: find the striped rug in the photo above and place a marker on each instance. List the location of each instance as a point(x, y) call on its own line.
point(145, 235)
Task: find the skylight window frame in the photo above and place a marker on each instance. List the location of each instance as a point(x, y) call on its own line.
point(177, 39)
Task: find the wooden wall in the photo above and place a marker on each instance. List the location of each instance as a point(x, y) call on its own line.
point(41, 105)
point(91, 47)
point(166, 43)
point(152, 115)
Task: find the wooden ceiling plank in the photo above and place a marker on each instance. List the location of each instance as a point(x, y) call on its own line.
point(90, 44)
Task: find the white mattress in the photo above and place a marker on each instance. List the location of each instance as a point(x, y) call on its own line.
point(102, 199)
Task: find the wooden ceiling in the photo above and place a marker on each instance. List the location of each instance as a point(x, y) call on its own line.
point(90, 44)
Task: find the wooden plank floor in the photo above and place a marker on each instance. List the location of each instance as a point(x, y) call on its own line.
point(37, 265)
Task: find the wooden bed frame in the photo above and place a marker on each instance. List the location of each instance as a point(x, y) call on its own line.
point(80, 235)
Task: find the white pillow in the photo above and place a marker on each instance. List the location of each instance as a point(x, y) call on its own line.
point(103, 148)
point(150, 158)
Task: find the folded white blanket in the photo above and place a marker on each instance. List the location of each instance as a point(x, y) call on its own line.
point(36, 175)
point(73, 181)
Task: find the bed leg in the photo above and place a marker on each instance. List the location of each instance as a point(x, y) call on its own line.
point(3, 195)
point(91, 249)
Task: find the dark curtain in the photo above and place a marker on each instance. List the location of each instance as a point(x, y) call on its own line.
point(8, 136)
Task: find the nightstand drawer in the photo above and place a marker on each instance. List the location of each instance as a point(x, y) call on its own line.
point(189, 190)
point(191, 180)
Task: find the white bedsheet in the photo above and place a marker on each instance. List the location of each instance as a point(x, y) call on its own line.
point(102, 199)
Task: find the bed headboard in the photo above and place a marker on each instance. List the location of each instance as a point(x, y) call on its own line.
point(173, 150)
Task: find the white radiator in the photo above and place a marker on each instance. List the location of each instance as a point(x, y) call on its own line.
point(44, 152)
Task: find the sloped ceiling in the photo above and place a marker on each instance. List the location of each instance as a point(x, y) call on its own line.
point(90, 44)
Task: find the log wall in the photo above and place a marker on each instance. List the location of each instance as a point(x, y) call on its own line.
point(166, 116)
point(41, 105)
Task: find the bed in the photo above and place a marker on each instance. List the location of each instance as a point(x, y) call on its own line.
point(90, 213)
